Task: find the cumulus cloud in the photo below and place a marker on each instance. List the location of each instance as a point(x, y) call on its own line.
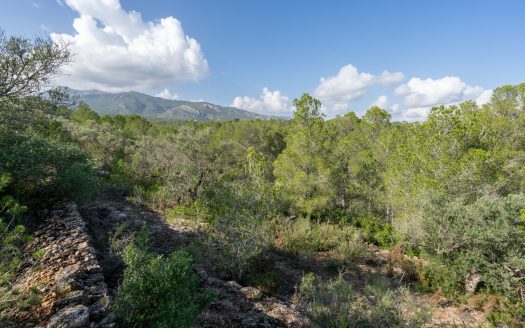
point(116, 50)
point(349, 84)
point(270, 102)
point(429, 92)
point(381, 102)
point(166, 94)
point(484, 97)
point(421, 94)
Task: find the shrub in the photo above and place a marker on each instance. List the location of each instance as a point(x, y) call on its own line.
point(304, 236)
point(43, 170)
point(12, 237)
point(481, 238)
point(375, 231)
point(158, 291)
point(336, 304)
point(267, 281)
point(232, 242)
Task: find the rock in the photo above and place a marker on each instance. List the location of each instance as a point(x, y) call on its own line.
point(98, 290)
point(233, 284)
point(214, 281)
point(93, 279)
point(66, 278)
point(73, 298)
point(472, 282)
point(251, 293)
point(108, 321)
point(103, 174)
point(58, 213)
point(70, 317)
point(98, 309)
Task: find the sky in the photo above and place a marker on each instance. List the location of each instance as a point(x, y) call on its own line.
point(404, 56)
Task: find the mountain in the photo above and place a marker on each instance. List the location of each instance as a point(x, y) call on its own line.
point(159, 108)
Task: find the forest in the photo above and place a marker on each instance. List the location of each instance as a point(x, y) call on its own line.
point(447, 195)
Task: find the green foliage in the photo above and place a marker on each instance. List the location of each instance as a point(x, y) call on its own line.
point(376, 115)
point(375, 231)
point(12, 238)
point(83, 114)
point(302, 170)
point(507, 313)
point(158, 291)
point(233, 242)
point(266, 281)
point(303, 236)
point(43, 169)
point(481, 238)
point(335, 303)
point(27, 65)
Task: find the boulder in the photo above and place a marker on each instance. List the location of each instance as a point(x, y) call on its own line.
point(70, 317)
point(472, 282)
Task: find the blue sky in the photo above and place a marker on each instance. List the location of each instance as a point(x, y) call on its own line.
point(433, 51)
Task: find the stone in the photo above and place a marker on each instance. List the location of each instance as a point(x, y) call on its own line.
point(58, 213)
point(97, 291)
point(93, 279)
point(472, 282)
point(251, 293)
point(70, 317)
point(99, 309)
point(72, 298)
point(233, 284)
point(66, 278)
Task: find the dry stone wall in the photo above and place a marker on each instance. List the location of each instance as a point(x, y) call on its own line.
point(62, 265)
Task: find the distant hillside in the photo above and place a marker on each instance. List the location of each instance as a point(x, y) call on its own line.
point(160, 108)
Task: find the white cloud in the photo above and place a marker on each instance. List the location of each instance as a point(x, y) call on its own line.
point(429, 92)
point(270, 102)
point(166, 94)
point(381, 102)
point(422, 94)
point(116, 50)
point(349, 84)
point(484, 97)
point(60, 3)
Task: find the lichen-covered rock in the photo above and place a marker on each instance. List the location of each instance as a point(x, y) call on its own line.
point(70, 317)
point(67, 279)
point(251, 293)
point(472, 282)
point(73, 298)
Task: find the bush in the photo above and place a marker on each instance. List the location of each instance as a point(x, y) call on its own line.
point(336, 304)
point(303, 236)
point(12, 238)
point(158, 291)
point(481, 238)
point(231, 243)
point(44, 170)
point(375, 231)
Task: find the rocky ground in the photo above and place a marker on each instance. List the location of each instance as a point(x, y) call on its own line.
point(61, 266)
point(80, 270)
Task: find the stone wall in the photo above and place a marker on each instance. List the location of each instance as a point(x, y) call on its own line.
point(62, 265)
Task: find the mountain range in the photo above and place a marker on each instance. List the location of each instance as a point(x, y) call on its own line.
point(133, 102)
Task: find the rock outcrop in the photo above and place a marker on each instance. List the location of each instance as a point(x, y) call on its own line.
point(62, 266)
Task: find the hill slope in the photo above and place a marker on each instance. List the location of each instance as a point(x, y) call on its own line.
point(160, 108)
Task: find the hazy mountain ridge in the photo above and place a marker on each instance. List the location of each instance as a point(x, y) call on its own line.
point(133, 102)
